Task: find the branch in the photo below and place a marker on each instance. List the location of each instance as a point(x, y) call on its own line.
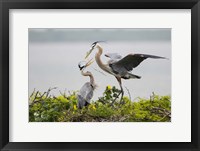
point(169, 115)
point(49, 90)
point(100, 100)
point(152, 97)
point(128, 93)
point(39, 98)
point(35, 96)
point(32, 94)
point(115, 98)
point(100, 72)
point(63, 94)
point(164, 111)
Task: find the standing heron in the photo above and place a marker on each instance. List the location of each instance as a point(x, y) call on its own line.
point(86, 92)
point(118, 66)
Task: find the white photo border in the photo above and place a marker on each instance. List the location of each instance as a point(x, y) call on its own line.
point(179, 130)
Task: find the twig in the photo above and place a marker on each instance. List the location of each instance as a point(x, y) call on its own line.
point(32, 94)
point(63, 94)
point(123, 118)
point(164, 111)
point(115, 98)
point(100, 100)
point(169, 115)
point(55, 98)
point(50, 89)
point(128, 93)
point(69, 93)
point(152, 97)
point(99, 71)
point(34, 102)
point(42, 95)
point(35, 96)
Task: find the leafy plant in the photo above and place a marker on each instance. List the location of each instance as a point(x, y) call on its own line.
point(46, 108)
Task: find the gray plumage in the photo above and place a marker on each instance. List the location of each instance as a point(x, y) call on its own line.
point(126, 64)
point(118, 66)
point(86, 92)
point(114, 57)
point(85, 95)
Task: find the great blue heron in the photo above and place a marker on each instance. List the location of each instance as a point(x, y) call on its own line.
point(118, 66)
point(86, 92)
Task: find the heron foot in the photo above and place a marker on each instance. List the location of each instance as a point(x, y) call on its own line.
point(115, 98)
point(121, 99)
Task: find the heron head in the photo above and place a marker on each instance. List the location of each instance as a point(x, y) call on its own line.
point(83, 64)
point(93, 46)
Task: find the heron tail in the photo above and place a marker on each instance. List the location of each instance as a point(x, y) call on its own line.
point(131, 76)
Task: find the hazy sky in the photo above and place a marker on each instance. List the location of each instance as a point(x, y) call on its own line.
point(54, 55)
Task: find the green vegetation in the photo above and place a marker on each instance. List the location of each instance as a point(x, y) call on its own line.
point(46, 108)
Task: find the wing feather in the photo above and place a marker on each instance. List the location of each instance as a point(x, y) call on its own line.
point(131, 61)
point(113, 56)
point(86, 92)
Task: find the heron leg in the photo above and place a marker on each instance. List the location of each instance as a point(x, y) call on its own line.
point(115, 98)
point(86, 103)
point(121, 92)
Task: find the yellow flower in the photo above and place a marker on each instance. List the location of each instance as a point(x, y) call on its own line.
point(109, 87)
point(75, 108)
point(94, 108)
point(72, 97)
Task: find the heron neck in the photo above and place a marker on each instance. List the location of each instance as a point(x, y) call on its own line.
point(98, 59)
point(88, 74)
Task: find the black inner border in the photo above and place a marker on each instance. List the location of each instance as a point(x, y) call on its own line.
point(5, 5)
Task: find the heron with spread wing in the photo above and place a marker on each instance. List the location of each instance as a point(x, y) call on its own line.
point(119, 66)
point(86, 92)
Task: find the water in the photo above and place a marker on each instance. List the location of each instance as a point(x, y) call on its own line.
point(55, 64)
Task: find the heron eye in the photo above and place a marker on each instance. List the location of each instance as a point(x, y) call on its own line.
point(82, 64)
point(92, 46)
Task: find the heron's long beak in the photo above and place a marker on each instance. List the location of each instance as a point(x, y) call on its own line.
point(89, 62)
point(89, 52)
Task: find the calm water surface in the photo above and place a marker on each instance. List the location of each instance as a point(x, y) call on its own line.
point(56, 65)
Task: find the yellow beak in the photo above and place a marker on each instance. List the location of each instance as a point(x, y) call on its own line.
point(89, 62)
point(88, 53)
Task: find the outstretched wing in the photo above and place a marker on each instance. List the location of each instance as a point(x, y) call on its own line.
point(114, 57)
point(131, 61)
